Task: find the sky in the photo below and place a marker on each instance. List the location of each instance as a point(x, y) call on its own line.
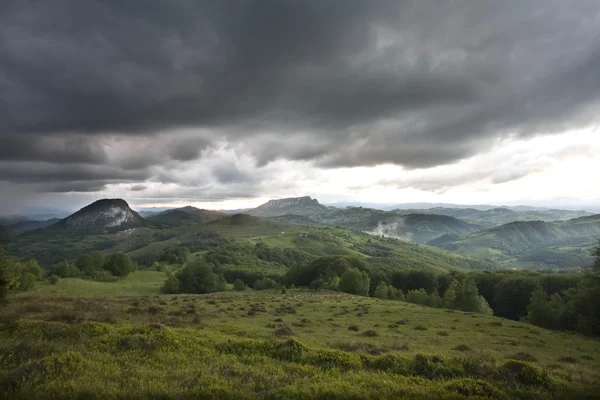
point(229, 104)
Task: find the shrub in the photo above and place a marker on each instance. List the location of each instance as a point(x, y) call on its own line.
point(198, 277)
point(433, 367)
point(522, 356)
point(53, 279)
point(354, 328)
point(474, 387)
point(391, 363)
point(369, 333)
point(171, 285)
point(462, 347)
point(520, 372)
point(119, 264)
point(334, 359)
point(239, 285)
point(354, 281)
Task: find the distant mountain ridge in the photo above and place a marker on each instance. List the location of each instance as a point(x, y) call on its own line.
point(538, 244)
point(305, 206)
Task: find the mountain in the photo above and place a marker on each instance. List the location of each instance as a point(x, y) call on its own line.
point(531, 244)
point(304, 206)
point(25, 226)
point(418, 228)
point(102, 216)
point(187, 215)
point(503, 215)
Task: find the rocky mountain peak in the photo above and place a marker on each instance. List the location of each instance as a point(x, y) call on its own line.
point(103, 216)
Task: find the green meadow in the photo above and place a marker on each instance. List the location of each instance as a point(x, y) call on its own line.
point(95, 340)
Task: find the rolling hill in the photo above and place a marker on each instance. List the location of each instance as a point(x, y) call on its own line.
point(531, 244)
point(187, 215)
point(110, 226)
point(415, 227)
point(499, 216)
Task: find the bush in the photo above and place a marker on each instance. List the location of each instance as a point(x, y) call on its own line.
point(391, 363)
point(474, 387)
point(53, 279)
point(119, 264)
point(520, 372)
point(27, 281)
point(264, 284)
point(198, 277)
point(355, 282)
point(171, 285)
point(418, 296)
point(433, 367)
point(382, 291)
point(239, 285)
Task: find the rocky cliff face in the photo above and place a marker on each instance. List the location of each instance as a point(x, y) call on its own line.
point(106, 215)
point(294, 205)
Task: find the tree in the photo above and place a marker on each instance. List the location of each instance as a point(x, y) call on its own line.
point(65, 269)
point(464, 296)
point(333, 283)
point(382, 291)
point(539, 311)
point(512, 296)
point(33, 268)
point(418, 296)
point(91, 262)
point(4, 274)
point(27, 281)
point(53, 279)
point(171, 285)
point(239, 285)
point(198, 277)
point(449, 298)
point(119, 264)
point(467, 297)
point(355, 282)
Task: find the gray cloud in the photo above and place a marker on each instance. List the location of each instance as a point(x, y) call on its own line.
point(138, 188)
point(117, 88)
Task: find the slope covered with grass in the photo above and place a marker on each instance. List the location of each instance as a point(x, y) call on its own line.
point(272, 345)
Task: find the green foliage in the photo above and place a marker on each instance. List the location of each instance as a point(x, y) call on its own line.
point(355, 282)
point(89, 264)
point(32, 267)
point(119, 264)
point(521, 372)
point(382, 291)
point(418, 296)
point(65, 269)
point(512, 295)
point(264, 284)
point(198, 277)
point(53, 279)
point(333, 283)
point(463, 295)
point(15, 275)
point(27, 281)
point(575, 309)
point(171, 285)
point(239, 285)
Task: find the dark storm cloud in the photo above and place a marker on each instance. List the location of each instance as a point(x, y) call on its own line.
point(64, 149)
point(345, 83)
point(20, 172)
point(230, 173)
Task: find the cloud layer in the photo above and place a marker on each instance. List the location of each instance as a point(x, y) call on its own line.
point(152, 93)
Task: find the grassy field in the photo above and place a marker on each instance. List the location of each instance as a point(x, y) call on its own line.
point(82, 339)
